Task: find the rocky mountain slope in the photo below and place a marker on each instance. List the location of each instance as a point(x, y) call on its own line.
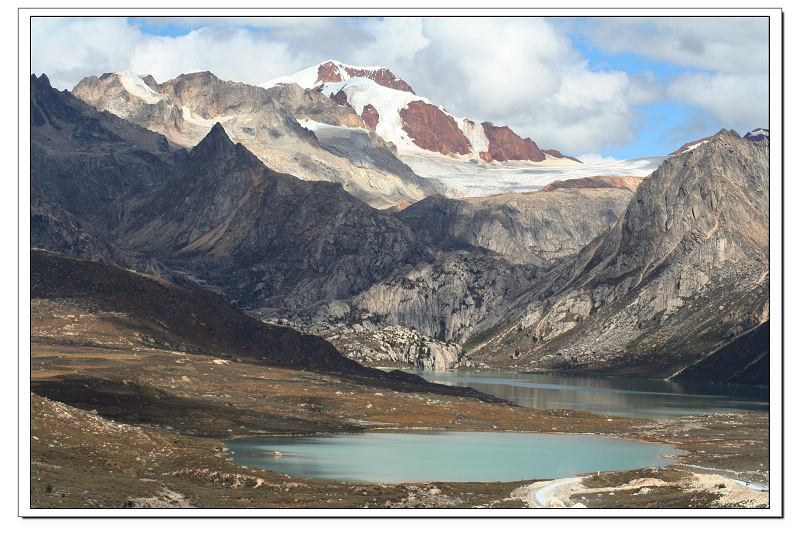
point(535, 281)
point(524, 228)
point(89, 170)
point(216, 215)
point(683, 273)
point(266, 241)
point(450, 297)
point(131, 310)
point(83, 304)
point(79, 156)
point(266, 121)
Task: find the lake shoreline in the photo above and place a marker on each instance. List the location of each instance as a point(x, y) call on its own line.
point(161, 431)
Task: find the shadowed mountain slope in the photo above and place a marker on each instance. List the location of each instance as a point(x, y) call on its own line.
point(87, 304)
point(146, 311)
point(267, 240)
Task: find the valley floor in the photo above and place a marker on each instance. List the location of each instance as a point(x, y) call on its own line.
point(142, 429)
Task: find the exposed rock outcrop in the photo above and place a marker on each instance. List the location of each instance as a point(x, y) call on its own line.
point(393, 345)
point(684, 272)
point(559, 155)
point(505, 145)
point(431, 129)
point(311, 105)
point(333, 71)
point(370, 116)
point(446, 299)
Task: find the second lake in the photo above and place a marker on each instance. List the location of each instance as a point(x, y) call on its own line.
point(629, 397)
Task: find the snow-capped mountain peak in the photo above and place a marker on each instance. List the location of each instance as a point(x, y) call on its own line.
point(332, 71)
point(389, 106)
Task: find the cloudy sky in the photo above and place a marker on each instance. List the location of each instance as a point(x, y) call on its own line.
point(590, 87)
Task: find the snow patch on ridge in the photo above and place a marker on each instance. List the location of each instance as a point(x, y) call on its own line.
point(327, 131)
point(695, 145)
point(190, 117)
point(134, 84)
point(277, 81)
point(387, 102)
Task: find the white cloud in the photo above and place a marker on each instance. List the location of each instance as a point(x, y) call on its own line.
point(231, 53)
point(723, 44)
point(521, 72)
point(97, 45)
point(393, 43)
point(68, 49)
point(738, 101)
point(491, 68)
point(590, 111)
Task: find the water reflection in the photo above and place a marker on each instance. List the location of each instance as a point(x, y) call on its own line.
point(642, 398)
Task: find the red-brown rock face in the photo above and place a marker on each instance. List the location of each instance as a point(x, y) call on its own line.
point(556, 153)
point(370, 116)
point(328, 72)
point(431, 129)
point(505, 145)
point(340, 98)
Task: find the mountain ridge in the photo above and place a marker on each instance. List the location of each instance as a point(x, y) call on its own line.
point(682, 274)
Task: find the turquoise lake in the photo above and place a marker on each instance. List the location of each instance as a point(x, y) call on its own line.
point(630, 397)
point(446, 456)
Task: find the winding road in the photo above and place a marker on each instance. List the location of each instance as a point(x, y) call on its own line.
point(541, 496)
